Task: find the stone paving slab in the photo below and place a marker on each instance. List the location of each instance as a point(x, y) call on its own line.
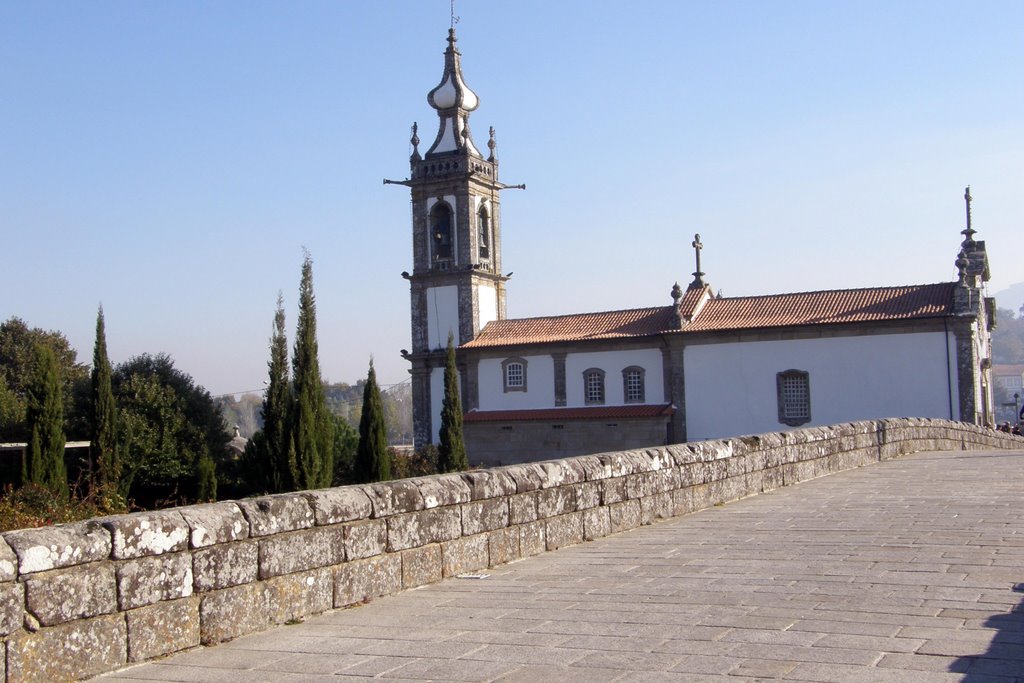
point(907, 570)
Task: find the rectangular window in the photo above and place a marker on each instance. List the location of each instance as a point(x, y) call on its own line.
point(633, 384)
point(593, 387)
point(794, 396)
point(513, 373)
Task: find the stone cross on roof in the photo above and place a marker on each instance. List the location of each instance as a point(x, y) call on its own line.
point(698, 275)
point(968, 232)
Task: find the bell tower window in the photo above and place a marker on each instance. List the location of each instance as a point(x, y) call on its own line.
point(441, 234)
point(484, 241)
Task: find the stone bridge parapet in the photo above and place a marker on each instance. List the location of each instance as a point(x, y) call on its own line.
point(80, 599)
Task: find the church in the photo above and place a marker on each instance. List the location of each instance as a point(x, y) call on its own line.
point(699, 367)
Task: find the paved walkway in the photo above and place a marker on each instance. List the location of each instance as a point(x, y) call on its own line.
point(909, 570)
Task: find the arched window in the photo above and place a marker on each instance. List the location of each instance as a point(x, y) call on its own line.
point(593, 386)
point(794, 394)
point(484, 238)
point(513, 372)
point(633, 384)
point(441, 231)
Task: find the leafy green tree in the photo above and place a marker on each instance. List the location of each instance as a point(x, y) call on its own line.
point(373, 461)
point(451, 451)
point(106, 462)
point(207, 479)
point(45, 451)
point(312, 431)
point(277, 406)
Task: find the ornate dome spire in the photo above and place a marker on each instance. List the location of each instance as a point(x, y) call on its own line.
point(453, 101)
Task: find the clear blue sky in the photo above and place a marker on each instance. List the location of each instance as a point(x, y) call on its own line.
point(171, 159)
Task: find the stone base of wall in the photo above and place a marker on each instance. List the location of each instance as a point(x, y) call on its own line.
point(89, 597)
point(492, 444)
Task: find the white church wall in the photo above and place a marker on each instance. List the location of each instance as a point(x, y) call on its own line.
point(613, 363)
point(540, 385)
point(731, 387)
point(442, 315)
point(487, 303)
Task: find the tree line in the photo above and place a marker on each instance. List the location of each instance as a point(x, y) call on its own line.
point(157, 438)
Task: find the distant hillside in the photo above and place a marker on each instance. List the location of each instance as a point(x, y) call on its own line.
point(1011, 297)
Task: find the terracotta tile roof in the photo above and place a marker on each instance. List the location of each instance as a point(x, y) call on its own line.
point(637, 322)
point(589, 413)
point(732, 313)
point(826, 307)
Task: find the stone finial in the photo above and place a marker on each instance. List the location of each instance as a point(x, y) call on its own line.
point(415, 141)
point(491, 144)
point(969, 231)
point(962, 264)
point(677, 294)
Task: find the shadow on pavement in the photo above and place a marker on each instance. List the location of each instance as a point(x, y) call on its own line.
point(1005, 655)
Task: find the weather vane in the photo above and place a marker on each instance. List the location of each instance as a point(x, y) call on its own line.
point(455, 19)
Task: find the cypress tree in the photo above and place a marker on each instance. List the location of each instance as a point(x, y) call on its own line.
point(276, 409)
point(451, 452)
point(312, 431)
point(207, 479)
point(373, 462)
point(45, 462)
point(106, 460)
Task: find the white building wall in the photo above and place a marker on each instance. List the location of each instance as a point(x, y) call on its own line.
point(540, 385)
point(613, 363)
point(487, 303)
point(442, 315)
point(731, 388)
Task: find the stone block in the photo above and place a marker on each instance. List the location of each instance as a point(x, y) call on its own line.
point(613, 490)
point(301, 550)
point(463, 555)
point(527, 477)
point(8, 563)
point(64, 595)
point(532, 539)
point(416, 529)
point(233, 612)
point(68, 652)
point(363, 580)
point(596, 523)
point(523, 508)
point(276, 514)
point(297, 596)
point(560, 473)
point(214, 523)
point(557, 501)
point(488, 484)
point(223, 566)
point(343, 504)
point(624, 516)
point(365, 538)
point(146, 533)
point(421, 566)
point(654, 507)
point(503, 546)
point(591, 466)
point(147, 580)
point(394, 497)
point(564, 530)
point(588, 494)
point(163, 628)
point(442, 490)
point(682, 501)
point(484, 515)
point(12, 607)
point(55, 547)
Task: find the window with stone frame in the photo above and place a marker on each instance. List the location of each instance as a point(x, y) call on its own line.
point(441, 234)
point(633, 390)
point(794, 397)
point(484, 234)
point(593, 387)
point(513, 372)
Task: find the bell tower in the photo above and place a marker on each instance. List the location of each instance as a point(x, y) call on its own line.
point(456, 285)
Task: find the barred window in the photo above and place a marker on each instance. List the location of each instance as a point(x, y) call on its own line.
point(593, 386)
point(794, 396)
point(633, 384)
point(513, 371)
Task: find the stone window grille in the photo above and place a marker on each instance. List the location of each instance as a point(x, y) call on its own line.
point(593, 387)
point(513, 372)
point(633, 384)
point(794, 396)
